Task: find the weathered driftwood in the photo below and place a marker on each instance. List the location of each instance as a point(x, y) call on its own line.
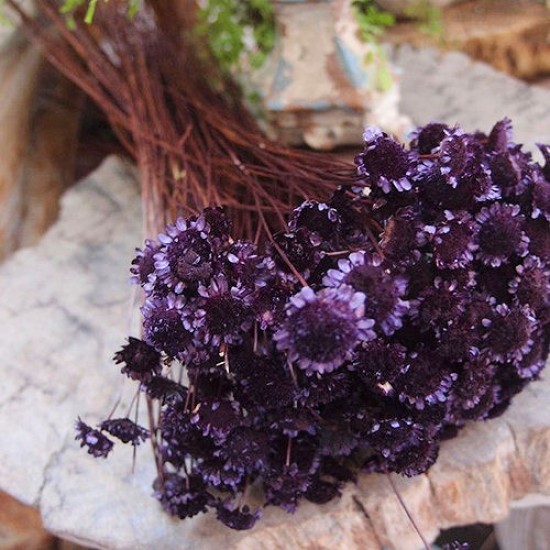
point(39, 115)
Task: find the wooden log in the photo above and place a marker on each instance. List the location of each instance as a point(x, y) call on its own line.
point(39, 120)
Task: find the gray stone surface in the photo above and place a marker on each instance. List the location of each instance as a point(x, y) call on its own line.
point(454, 89)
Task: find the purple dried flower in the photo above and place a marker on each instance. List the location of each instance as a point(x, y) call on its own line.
point(510, 330)
point(500, 235)
point(237, 518)
point(364, 273)
point(539, 238)
point(245, 450)
point(301, 247)
point(416, 459)
point(322, 329)
point(163, 325)
point(165, 390)
point(283, 488)
point(125, 430)
point(141, 361)
point(403, 236)
point(143, 265)
point(183, 497)
point(455, 154)
point(541, 199)
point(531, 286)
point(384, 162)
point(223, 315)
point(186, 255)
point(321, 491)
point(316, 217)
point(500, 137)
point(453, 240)
point(423, 385)
point(216, 418)
point(378, 363)
point(98, 444)
point(428, 138)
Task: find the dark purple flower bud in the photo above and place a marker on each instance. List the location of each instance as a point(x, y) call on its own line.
point(125, 430)
point(428, 138)
point(245, 449)
point(534, 361)
point(292, 421)
point(456, 152)
point(365, 273)
point(439, 305)
point(423, 385)
point(237, 518)
point(384, 162)
point(218, 225)
point(415, 460)
point(500, 235)
point(316, 217)
point(183, 497)
point(301, 249)
point(283, 488)
point(506, 174)
point(141, 361)
point(216, 418)
point(321, 491)
point(500, 136)
point(474, 381)
point(539, 238)
point(403, 237)
point(545, 150)
point(321, 389)
point(185, 257)
point(531, 286)
point(541, 199)
point(98, 444)
point(390, 436)
point(378, 363)
point(143, 265)
point(453, 240)
point(165, 390)
point(163, 325)
point(509, 335)
point(223, 315)
point(322, 329)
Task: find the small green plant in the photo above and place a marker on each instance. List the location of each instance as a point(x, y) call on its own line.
point(240, 33)
point(372, 22)
point(70, 6)
point(430, 20)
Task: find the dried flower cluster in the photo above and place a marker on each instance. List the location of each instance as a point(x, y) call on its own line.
point(377, 325)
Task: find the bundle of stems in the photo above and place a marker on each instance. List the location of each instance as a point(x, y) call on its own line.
point(180, 118)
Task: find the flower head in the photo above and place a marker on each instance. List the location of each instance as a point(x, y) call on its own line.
point(383, 291)
point(500, 234)
point(186, 255)
point(141, 361)
point(384, 162)
point(125, 430)
point(98, 444)
point(322, 329)
point(164, 327)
